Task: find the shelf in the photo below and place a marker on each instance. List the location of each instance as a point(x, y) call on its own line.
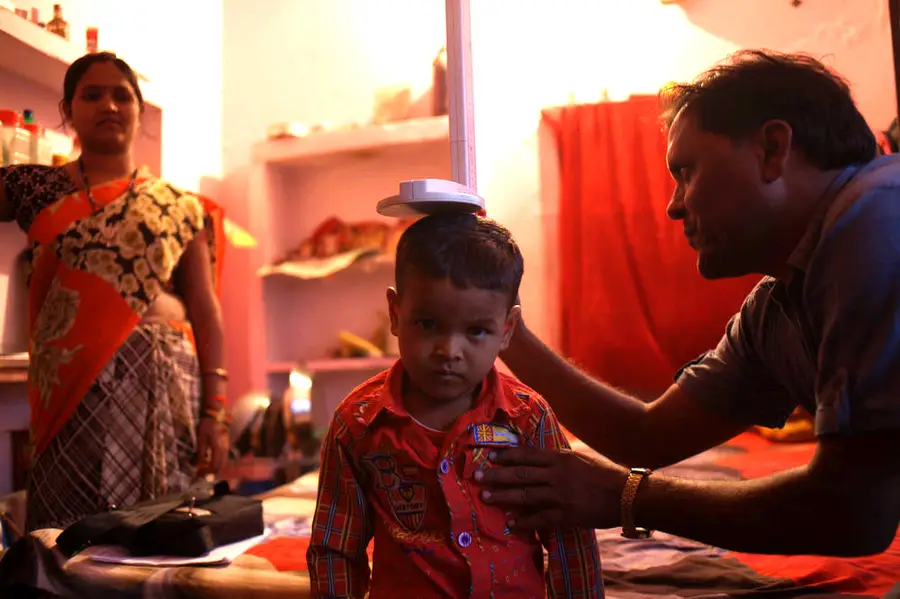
point(334, 365)
point(373, 138)
point(320, 268)
point(350, 364)
point(14, 368)
point(41, 57)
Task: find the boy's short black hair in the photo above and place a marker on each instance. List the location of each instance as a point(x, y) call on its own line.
point(471, 251)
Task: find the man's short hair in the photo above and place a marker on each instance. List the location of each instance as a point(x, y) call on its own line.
point(735, 98)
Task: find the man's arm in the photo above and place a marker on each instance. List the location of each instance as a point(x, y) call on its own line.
point(573, 559)
point(627, 430)
point(846, 502)
point(342, 526)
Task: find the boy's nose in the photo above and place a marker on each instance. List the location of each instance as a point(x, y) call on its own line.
point(449, 347)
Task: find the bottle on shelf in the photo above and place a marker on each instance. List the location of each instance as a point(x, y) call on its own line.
point(15, 140)
point(58, 24)
point(92, 37)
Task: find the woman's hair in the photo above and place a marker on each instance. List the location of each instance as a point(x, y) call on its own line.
point(77, 70)
point(738, 96)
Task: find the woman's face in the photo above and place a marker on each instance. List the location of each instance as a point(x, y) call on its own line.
point(105, 110)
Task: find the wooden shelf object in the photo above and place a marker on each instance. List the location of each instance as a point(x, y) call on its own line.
point(334, 365)
point(38, 56)
point(365, 140)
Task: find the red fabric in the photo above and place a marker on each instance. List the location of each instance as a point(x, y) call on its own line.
point(871, 576)
point(385, 476)
point(634, 308)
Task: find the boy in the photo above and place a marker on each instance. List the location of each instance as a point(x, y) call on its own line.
point(399, 458)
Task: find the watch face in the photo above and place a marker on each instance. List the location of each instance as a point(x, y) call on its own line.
point(637, 533)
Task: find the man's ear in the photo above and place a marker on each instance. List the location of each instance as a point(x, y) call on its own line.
point(393, 300)
point(775, 139)
point(512, 319)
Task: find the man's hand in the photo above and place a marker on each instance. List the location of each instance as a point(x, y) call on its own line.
point(547, 488)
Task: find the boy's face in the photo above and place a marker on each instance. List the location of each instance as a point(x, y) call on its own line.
point(449, 338)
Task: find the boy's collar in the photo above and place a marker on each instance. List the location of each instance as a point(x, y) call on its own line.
point(494, 397)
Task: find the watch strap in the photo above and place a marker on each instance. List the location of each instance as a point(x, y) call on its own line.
point(629, 494)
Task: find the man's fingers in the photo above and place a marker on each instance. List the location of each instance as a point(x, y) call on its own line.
point(525, 456)
point(545, 519)
point(522, 497)
point(513, 476)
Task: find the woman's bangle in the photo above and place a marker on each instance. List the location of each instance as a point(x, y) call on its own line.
point(219, 372)
point(216, 401)
point(220, 415)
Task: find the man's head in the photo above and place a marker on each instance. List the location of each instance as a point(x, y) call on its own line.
point(753, 142)
point(453, 309)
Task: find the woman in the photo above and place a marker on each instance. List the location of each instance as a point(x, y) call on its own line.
point(121, 282)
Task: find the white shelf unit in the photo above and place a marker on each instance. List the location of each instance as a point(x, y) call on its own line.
point(298, 183)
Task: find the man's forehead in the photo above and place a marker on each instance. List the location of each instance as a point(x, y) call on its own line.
point(680, 129)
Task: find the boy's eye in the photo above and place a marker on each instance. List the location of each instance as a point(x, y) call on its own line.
point(426, 323)
point(479, 332)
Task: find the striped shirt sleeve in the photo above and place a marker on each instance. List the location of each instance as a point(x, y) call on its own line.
point(573, 560)
point(342, 525)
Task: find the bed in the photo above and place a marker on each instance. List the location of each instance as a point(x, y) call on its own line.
point(663, 566)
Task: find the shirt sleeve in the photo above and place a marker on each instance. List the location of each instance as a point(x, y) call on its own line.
point(342, 525)
point(573, 559)
point(732, 379)
point(853, 301)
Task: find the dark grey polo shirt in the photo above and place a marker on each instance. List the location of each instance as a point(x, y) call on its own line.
point(828, 336)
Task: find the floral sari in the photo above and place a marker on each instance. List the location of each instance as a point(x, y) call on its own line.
point(114, 401)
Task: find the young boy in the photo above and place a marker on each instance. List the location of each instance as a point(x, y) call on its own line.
point(399, 458)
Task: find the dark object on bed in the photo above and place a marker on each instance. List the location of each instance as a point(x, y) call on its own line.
point(185, 524)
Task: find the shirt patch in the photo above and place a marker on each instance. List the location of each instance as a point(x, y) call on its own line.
point(495, 435)
point(406, 495)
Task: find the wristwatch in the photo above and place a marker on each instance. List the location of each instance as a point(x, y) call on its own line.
point(629, 493)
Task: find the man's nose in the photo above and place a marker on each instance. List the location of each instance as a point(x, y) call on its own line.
point(675, 210)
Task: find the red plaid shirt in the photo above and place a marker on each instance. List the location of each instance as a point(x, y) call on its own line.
point(386, 476)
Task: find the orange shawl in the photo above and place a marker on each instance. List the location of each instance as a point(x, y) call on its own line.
point(93, 277)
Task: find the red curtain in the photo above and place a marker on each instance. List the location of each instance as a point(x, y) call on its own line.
point(634, 308)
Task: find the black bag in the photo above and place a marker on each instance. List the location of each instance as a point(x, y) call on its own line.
point(186, 524)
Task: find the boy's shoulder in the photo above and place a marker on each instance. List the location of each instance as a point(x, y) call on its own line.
point(353, 408)
point(523, 397)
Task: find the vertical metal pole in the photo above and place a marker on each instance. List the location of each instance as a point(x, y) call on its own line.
point(894, 15)
point(459, 84)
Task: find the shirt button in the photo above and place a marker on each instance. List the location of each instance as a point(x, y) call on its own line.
point(464, 539)
point(445, 466)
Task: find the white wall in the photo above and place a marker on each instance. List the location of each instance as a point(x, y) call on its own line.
point(530, 55)
point(322, 60)
point(317, 61)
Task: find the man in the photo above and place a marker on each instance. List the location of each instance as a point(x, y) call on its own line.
point(776, 174)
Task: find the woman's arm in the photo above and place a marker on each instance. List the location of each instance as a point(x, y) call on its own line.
point(195, 280)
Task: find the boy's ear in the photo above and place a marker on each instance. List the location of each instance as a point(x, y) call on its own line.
point(512, 319)
point(393, 300)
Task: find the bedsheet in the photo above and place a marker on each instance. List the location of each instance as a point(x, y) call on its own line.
point(668, 566)
point(661, 567)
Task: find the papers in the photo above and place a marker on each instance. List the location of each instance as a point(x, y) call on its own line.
point(113, 554)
